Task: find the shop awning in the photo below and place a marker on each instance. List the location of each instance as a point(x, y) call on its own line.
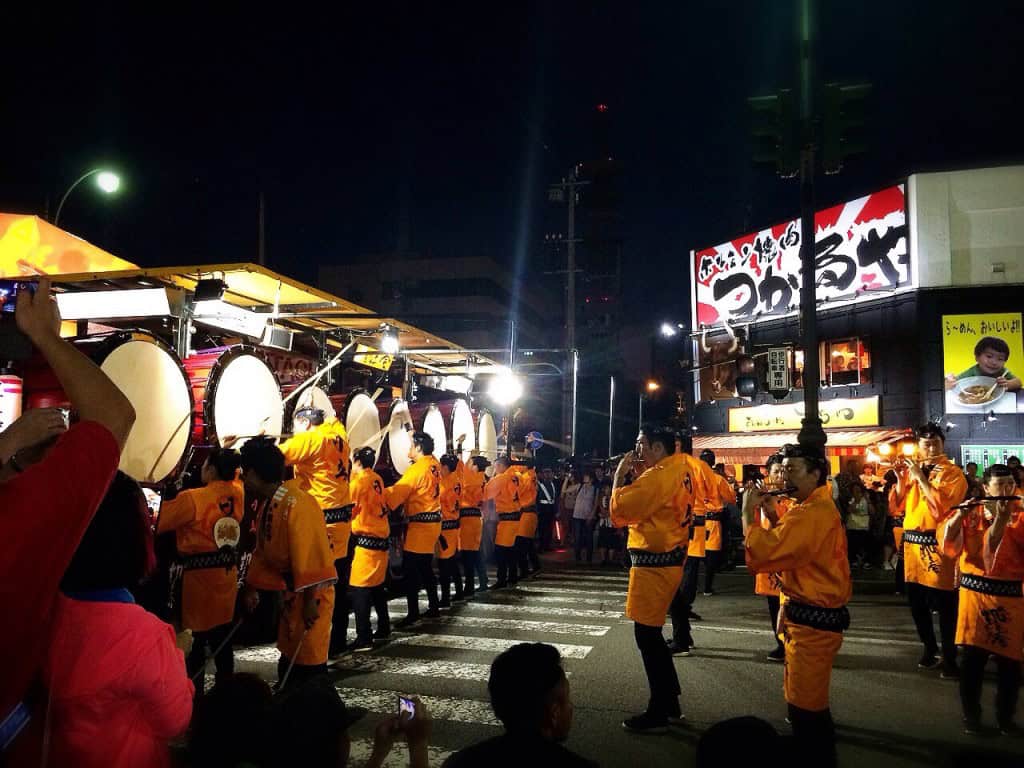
point(756, 447)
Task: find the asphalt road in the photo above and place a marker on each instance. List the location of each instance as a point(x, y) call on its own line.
point(888, 712)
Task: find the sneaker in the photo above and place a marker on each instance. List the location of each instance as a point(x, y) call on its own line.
point(930, 660)
point(676, 717)
point(779, 654)
point(445, 603)
point(646, 723)
point(361, 646)
point(709, 594)
point(483, 588)
point(867, 566)
point(498, 585)
point(433, 613)
point(382, 634)
point(695, 617)
point(950, 672)
point(972, 727)
point(1009, 729)
point(407, 621)
point(677, 649)
point(888, 567)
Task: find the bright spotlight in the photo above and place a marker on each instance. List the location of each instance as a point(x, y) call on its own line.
point(389, 340)
point(505, 388)
point(109, 182)
point(668, 330)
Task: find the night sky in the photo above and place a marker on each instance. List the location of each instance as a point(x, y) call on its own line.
point(466, 111)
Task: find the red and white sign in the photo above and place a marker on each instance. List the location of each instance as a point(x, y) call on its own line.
point(861, 254)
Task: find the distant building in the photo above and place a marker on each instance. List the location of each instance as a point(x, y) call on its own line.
point(467, 299)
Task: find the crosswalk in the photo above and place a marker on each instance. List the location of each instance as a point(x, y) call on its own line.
point(446, 661)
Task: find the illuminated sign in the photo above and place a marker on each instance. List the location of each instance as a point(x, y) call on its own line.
point(372, 358)
point(839, 413)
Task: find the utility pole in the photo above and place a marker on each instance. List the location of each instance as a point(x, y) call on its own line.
point(261, 250)
point(611, 413)
point(811, 433)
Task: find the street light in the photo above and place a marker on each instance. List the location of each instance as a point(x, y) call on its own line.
point(108, 182)
point(388, 340)
point(668, 330)
point(505, 388)
point(652, 385)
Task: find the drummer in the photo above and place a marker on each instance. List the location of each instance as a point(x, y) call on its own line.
point(471, 523)
point(447, 562)
point(319, 452)
point(206, 525)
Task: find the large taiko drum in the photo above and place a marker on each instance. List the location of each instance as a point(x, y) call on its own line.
point(309, 397)
point(429, 418)
point(153, 379)
point(398, 435)
point(362, 421)
point(458, 417)
point(236, 393)
point(487, 436)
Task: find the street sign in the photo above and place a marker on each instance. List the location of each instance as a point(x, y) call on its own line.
point(534, 441)
point(778, 372)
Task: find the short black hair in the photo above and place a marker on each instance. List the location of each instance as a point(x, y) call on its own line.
point(708, 456)
point(314, 415)
point(424, 442)
point(663, 437)
point(366, 457)
point(263, 457)
point(116, 551)
point(775, 458)
point(929, 430)
point(450, 462)
point(816, 460)
point(225, 462)
point(995, 344)
point(308, 720)
point(1012, 461)
point(685, 441)
point(480, 462)
point(237, 703)
point(522, 678)
point(996, 470)
point(732, 738)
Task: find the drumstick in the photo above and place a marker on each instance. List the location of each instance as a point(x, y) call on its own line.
point(315, 378)
point(174, 434)
point(291, 662)
point(220, 647)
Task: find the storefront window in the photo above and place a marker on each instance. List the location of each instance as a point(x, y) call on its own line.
point(846, 362)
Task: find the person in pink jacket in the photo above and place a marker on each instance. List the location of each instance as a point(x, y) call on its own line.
point(113, 676)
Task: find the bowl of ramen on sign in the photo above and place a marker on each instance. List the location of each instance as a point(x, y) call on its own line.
point(977, 391)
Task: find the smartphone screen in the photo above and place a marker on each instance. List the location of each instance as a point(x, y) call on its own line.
point(406, 707)
point(9, 291)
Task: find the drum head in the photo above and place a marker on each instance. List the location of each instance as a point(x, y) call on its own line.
point(362, 422)
point(246, 399)
point(433, 425)
point(152, 378)
point(462, 424)
point(400, 435)
point(315, 397)
point(487, 437)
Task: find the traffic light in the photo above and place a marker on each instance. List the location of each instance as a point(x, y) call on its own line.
point(775, 129)
point(843, 124)
point(746, 376)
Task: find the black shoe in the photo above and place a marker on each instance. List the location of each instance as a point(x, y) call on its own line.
point(483, 588)
point(929, 660)
point(458, 597)
point(646, 723)
point(676, 716)
point(950, 672)
point(677, 649)
point(709, 594)
point(779, 654)
point(1009, 729)
point(408, 621)
point(382, 634)
point(695, 617)
point(433, 613)
point(445, 603)
point(361, 646)
point(498, 585)
point(468, 594)
point(972, 727)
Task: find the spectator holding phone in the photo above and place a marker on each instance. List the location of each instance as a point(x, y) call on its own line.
point(49, 492)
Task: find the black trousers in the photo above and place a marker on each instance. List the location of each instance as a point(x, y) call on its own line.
point(661, 672)
point(773, 611)
point(922, 600)
point(419, 574)
point(526, 556)
point(691, 571)
point(712, 560)
point(506, 564)
point(339, 619)
point(449, 570)
point(679, 610)
point(362, 599)
point(300, 673)
point(224, 658)
point(972, 672)
point(470, 560)
point(546, 525)
point(814, 737)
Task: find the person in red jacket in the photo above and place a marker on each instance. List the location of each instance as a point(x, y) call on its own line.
point(59, 494)
point(117, 690)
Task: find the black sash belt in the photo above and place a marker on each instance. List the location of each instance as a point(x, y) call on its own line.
point(426, 517)
point(339, 514)
point(641, 558)
point(996, 587)
point(699, 520)
point(921, 538)
point(371, 542)
point(226, 559)
point(449, 525)
point(469, 512)
point(508, 517)
point(816, 617)
point(530, 510)
point(716, 516)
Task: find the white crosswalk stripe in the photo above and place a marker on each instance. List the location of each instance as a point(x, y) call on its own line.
point(440, 708)
point(547, 610)
point(523, 625)
point(623, 580)
point(400, 665)
point(518, 597)
point(487, 644)
point(567, 590)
